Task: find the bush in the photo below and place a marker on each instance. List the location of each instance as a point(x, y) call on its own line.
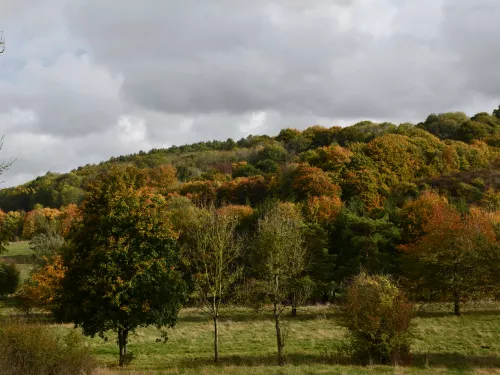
point(33, 349)
point(46, 245)
point(378, 318)
point(9, 279)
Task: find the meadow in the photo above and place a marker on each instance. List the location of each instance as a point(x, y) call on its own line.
point(443, 344)
point(20, 254)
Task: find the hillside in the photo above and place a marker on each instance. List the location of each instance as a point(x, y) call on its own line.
point(366, 161)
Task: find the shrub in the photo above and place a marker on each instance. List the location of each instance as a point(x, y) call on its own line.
point(9, 279)
point(34, 349)
point(46, 245)
point(378, 318)
point(268, 166)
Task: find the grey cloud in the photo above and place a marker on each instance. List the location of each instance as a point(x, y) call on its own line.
point(205, 57)
point(85, 80)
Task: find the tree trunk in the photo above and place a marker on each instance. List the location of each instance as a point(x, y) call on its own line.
point(294, 310)
point(216, 339)
point(457, 304)
point(279, 337)
point(122, 343)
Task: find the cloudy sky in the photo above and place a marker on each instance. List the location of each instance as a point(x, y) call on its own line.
point(83, 80)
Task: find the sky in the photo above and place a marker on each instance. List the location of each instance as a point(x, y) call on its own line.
point(84, 80)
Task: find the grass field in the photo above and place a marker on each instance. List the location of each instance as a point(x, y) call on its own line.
point(20, 254)
point(444, 344)
point(17, 248)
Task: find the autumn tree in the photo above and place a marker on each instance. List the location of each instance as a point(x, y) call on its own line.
point(254, 189)
point(452, 258)
point(41, 220)
point(212, 250)
point(397, 159)
point(311, 181)
point(280, 257)
point(163, 178)
point(69, 215)
point(333, 159)
point(202, 193)
point(362, 179)
point(122, 262)
point(44, 285)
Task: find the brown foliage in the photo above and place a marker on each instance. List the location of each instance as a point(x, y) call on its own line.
point(311, 181)
point(42, 287)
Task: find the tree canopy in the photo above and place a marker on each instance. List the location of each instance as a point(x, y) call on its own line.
point(122, 262)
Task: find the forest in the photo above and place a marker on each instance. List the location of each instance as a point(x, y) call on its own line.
point(367, 221)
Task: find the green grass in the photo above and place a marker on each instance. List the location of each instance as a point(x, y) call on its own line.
point(17, 248)
point(19, 253)
point(444, 344)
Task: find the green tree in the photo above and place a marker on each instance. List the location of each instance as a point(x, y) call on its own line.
point(320, 262)
point(378, 318)
point(444, 125)
point(280, 257)
point(10, 224)
point(122, 261)
point(212, 251)
point(364, 241)
point(496, 112)
point(46, 245)
point(9, 279)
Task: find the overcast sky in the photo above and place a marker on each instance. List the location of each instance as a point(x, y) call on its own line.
point(84, 80)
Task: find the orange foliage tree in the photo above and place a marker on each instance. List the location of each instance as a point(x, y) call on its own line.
point(311, 181)
point(416, 214)
point(396, 158)
point(40, 219)
point(69, 215)
point(323, 209)
point(362, 180)
point(203, 193)
point(454, 255)
point(242, 190)
point(43, 286)
point(163, 178)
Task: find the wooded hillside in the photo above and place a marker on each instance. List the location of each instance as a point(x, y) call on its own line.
point(367, 161)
